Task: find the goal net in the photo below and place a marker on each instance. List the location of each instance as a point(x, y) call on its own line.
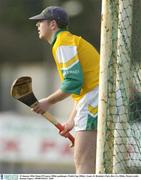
point(119, 123)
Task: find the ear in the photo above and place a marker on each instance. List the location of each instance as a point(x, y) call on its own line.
point(53, 25)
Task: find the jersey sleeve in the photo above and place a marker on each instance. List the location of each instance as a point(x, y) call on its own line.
point(69, 65)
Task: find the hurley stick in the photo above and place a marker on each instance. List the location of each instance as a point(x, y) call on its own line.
point(21, 89)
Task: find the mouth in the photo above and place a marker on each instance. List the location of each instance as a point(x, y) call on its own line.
point(38, 31)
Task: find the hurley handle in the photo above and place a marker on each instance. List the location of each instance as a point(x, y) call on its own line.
point(59, 126)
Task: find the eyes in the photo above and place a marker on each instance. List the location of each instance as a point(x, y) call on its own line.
point(48, 22)
point(41, 21)
point(38, 22)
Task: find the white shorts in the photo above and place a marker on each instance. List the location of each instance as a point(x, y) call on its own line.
point(87, 112)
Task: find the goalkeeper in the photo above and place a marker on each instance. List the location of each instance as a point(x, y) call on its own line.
point(77, 62)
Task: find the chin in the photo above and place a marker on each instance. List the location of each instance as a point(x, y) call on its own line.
point(41, 37)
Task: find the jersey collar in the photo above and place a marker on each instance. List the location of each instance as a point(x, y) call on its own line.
point(54, 36)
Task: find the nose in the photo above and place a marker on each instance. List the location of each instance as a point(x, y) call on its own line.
point(38, 24)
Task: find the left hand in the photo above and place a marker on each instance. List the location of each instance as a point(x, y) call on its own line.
point(42, 106)
point(68, 126)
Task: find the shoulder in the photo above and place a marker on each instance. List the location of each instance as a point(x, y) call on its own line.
point(67, 38)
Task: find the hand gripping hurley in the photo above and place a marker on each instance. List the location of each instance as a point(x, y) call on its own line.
point(21, 89)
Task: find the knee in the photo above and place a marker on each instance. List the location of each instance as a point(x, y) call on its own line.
point(81, 159)
point(84, 164)
point(77, 159)
point(79, 163)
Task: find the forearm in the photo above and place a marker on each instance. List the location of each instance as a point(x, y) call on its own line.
point(45, 103)
point(69, 124)
point(73, 112)
point(57, 96)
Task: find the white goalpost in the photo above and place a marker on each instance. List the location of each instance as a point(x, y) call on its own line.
point(117, 121)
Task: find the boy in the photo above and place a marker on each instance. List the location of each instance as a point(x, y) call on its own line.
point(77, 62)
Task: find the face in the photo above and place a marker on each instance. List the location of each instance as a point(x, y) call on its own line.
point(46, 29)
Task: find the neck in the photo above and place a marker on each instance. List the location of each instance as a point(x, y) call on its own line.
point(54, 35)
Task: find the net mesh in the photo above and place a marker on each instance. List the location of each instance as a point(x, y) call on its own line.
point(122, 146)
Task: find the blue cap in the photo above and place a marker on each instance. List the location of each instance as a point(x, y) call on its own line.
point(53, 13)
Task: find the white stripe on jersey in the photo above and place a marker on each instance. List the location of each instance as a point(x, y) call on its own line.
point(65, 53)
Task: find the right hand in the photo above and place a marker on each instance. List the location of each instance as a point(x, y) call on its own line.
point(68, 126)
point(42, 106)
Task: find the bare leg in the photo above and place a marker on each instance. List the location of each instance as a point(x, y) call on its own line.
point(85, 152)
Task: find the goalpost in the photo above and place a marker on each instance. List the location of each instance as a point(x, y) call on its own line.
point(119, 118)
